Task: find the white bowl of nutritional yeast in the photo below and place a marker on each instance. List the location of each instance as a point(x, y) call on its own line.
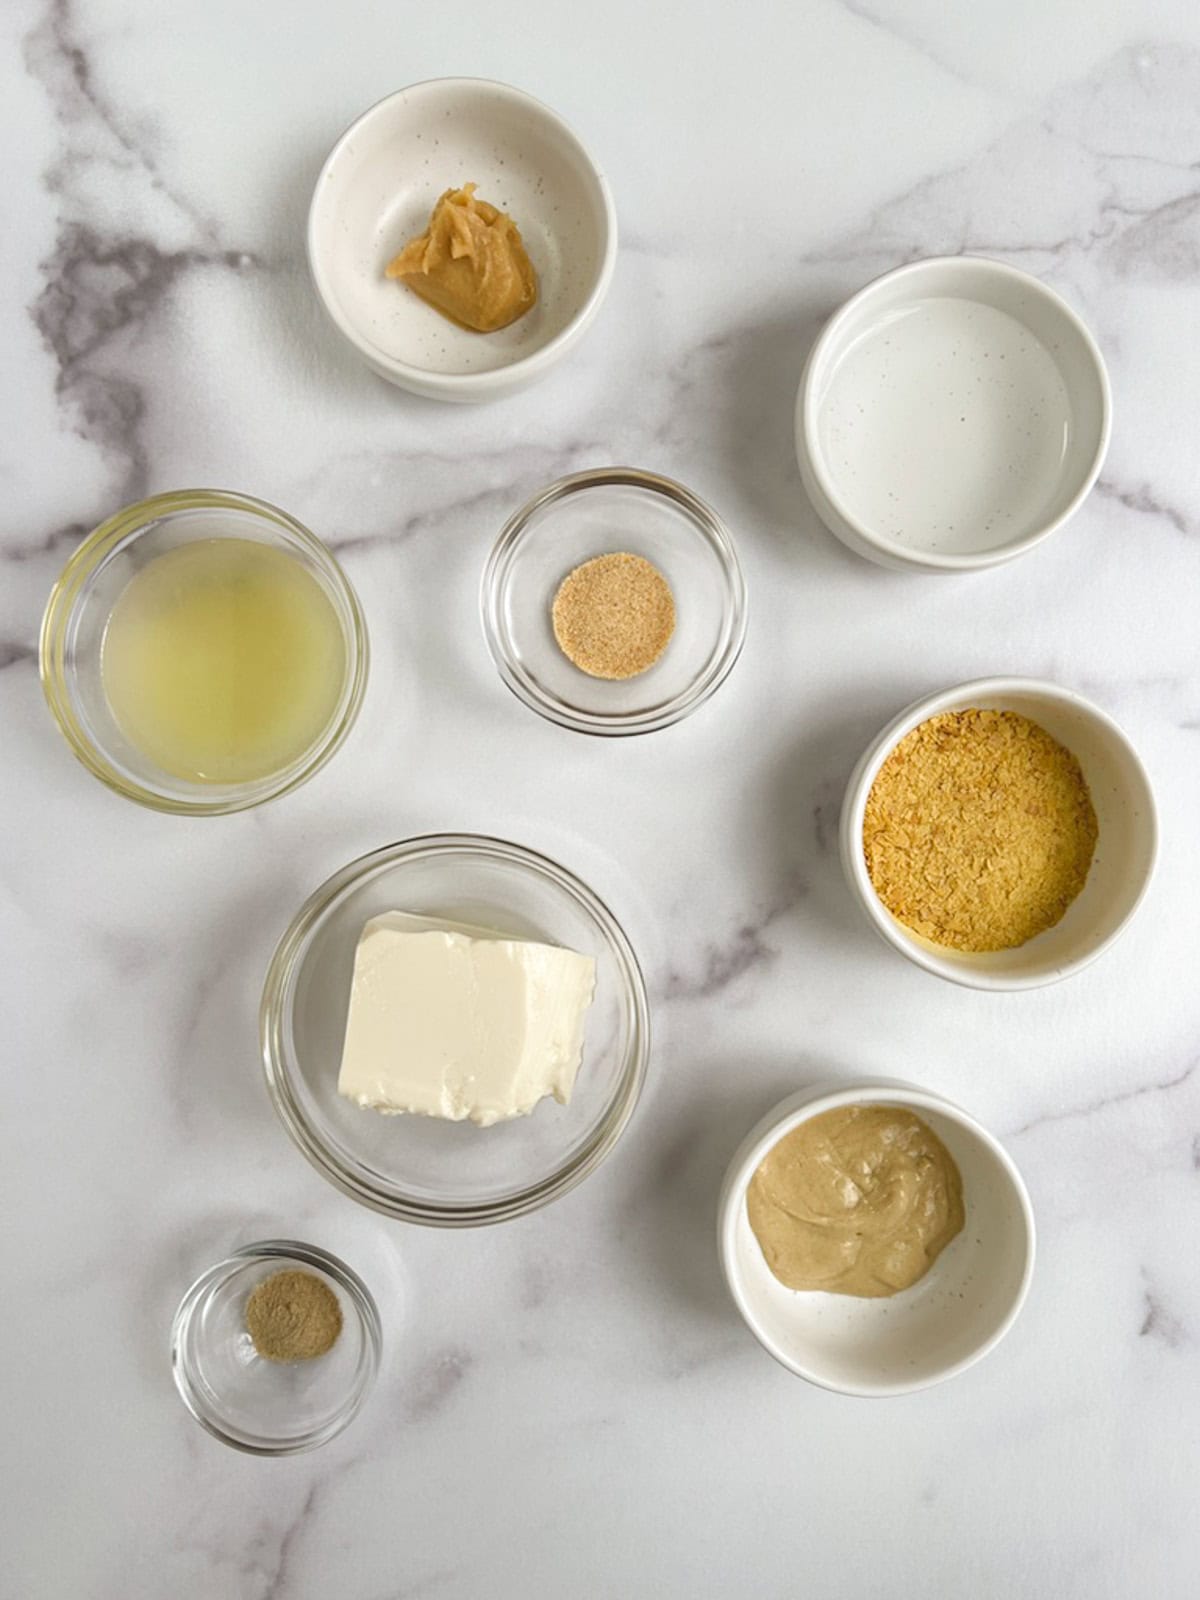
point(951, 414)
point(1121, 869)
point(944, 1323)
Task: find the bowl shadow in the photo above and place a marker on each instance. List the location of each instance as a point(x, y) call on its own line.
point(802, 793)
point(762, 377)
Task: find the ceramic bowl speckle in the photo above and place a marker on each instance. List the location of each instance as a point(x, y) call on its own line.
point(951, 1318)
point(1121, 869)
point(952, 414)
point(377, 190)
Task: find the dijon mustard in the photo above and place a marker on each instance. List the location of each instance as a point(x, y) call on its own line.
point(859, 1201)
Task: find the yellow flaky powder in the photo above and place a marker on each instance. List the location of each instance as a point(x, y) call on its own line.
point(614, 615)
point(979, 830)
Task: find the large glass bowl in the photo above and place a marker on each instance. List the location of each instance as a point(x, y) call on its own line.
point(81, 603)
point(424, 1169)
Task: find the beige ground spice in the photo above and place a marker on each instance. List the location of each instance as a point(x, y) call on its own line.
point(293, 1316)
point(614, 615)
point(979, 830)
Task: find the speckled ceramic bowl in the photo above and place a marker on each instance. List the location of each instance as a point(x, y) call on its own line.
point(951, 415)
point(377, 190)
point(943, 1324)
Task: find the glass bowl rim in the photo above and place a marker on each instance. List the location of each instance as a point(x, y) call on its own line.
point(308, 1255)
point(278, 1071)
point(70, 584)
point(706, 522)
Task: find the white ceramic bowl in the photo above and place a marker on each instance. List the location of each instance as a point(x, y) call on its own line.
point(951, 414)
point(1125, 849)
point(376, 191)
point(960, 1309)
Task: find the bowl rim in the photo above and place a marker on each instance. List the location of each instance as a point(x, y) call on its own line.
point(131, 522)
point(807, 431)
point(854, 804)
point(477, 385)
point(278, 1069)
point(308, 1255)
point(625, 724)
point(805, 1103)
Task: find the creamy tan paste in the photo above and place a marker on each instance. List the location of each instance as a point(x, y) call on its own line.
point(861, 1201)
point(469, 264)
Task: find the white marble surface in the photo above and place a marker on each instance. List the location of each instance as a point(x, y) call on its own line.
point(569, 1405)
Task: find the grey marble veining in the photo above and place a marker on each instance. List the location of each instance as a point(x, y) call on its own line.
point(568, 1404)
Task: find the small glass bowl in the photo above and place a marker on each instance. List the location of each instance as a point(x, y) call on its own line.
point(591, 514)
point(271, 1408)
point(424, 1169)
point(82, 601)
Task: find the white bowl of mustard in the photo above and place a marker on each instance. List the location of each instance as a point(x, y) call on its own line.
point(377, 192)
point(892, 1344)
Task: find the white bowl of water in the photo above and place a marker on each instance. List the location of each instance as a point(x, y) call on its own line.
point(951, 415)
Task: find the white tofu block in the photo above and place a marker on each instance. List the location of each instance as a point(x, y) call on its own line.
point(451, 1021)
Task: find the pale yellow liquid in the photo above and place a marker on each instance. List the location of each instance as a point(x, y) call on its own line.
point(223, 661)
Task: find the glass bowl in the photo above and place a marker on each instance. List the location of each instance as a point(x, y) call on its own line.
point(81, 603)
point(271, 1408)
point(590, 514)
point(424, 1169)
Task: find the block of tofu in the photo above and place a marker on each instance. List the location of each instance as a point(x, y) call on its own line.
point(448, 1020)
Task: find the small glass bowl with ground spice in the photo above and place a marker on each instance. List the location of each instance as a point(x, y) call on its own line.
point(274, 1349)
point(613, 603)
point(1000, 834)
